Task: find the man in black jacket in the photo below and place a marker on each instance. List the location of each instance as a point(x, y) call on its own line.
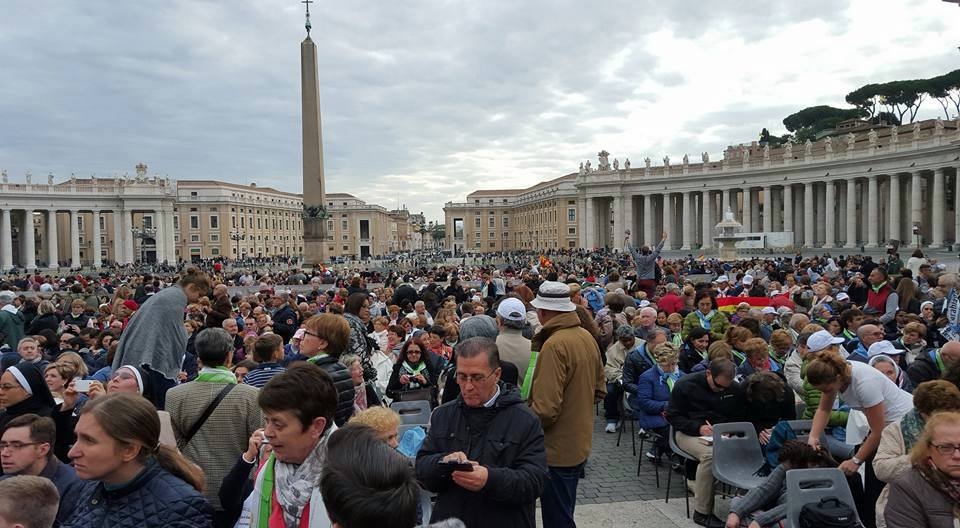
point(492, 430)
point(698, 401)
point(932, 364)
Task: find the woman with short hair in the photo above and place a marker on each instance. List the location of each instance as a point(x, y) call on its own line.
point(132, 479)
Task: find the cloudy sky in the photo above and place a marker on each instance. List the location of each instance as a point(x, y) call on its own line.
point(425, 101)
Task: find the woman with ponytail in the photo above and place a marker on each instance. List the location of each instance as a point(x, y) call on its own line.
point(132, 479)
point(863, 388)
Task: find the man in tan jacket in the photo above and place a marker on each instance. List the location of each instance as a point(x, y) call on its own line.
point(567, 381)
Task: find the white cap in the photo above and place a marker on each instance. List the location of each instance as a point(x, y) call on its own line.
point(747, 279)
point(842, 296)
point(768, 310)
point(512, 309)
point(722, 278)
point(821, 340)
point(883, 347)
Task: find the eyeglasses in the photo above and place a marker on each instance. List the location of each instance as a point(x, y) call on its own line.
point(122, 376)
point(473, 378)
point(309, 333)
point(945, 449)
point(10, 386)
point(17, 446)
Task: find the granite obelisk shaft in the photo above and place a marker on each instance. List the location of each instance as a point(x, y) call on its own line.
point(314, 227)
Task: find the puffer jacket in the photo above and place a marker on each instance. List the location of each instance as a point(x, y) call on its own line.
point(343, 382)
point(154, 499)
point(506, 439)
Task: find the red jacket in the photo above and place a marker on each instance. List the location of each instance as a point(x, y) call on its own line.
point(671, 303)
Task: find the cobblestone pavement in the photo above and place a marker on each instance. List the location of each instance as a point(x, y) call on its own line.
point(611, 473)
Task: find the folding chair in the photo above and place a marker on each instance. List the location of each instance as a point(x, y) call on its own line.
point(626, 414)
point(654, 438)
point(737, 455)
point(687, 456)
point(412, 412)
point(810, 485)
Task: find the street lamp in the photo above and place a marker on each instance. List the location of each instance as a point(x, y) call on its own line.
point(142, 233)
point(237, 237)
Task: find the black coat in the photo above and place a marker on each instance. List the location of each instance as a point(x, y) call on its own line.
point(924, 368)
point(343, 382)
point(693, 403)
point(506, 439)
point(43, 322)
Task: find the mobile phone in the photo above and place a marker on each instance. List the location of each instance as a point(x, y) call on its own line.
point(454, 465)
point(264, 440)
point(82, 385)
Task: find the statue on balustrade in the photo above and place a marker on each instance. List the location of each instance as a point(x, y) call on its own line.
point(4, 174)
point(807, 147)
point(603, 163)
point(828, 144)
point(788, 151)
point(581, 169)
point(626, 164)
point(666, 162)
point(851, 140)
point(872, 137)
point(50, 178)
point(916, 131)
point(686, 160)
point(893, 134)
point(705, 157)
point(29, 178)
point(745, 154)
point(587, 166)
point(616, 164)
point(938, 127)
point(766, 152)
point(647, 161)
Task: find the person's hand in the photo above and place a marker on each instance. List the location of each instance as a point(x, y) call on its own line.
point(706, 430)
point(457, 456)
point(421, 378)
point(814, 442)
point(765, 436)
point(96, 389)
point(471, 480)
point(404, 379)
point(70, 397)
point(754, 524)
point(849, 467)
point(253, 445)
point(733, 520)
point(182, 376)
point(664, 236)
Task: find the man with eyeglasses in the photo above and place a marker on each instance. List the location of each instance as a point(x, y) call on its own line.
point(26, 448)
point(490, 430)
point(697, 402)
point(867, 335)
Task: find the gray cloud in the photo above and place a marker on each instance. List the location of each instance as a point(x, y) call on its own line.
point(423, 101)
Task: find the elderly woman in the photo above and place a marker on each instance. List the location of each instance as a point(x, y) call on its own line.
point(898, 438)
point(757, 358)
point(653, 396)
point(617, 352)
point(384, 420)
point(706, 316)
point(927, 495)
point(365, 395)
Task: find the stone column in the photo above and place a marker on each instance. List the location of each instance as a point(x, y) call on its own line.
point(127, 234)
point(873, 211)
point(916, 201)
point(767, 209)
point(618, 224)
point(706, 216)
point(831, 210)
point(747, 210)
point(627, 220)
point(95, 230)
point(158, 240)
point(53, 251)
point(667, 216)
point(591, 224)
point(788, 207)
point(169, 243)
point(117, 237)
point(6, 241)
point(74, 239)
point(894, 213)
point(647, 221)
point(808, 238)
point(938, 209)
point(851, 214)
point(687, 223)
point(29, 256)
point(724, 201)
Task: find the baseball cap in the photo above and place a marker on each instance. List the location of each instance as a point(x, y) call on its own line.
point(883, 347)
point(512, 309)
point(768, 310)
point(842, 296)
point(821, 340)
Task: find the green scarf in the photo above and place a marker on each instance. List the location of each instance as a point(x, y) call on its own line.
point(911, 425)
point(216, 375)
point(876, 289)
point(266, 494)
point(528, 375)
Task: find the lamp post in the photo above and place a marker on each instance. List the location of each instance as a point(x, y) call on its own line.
point(237, 237)
point(142, 233)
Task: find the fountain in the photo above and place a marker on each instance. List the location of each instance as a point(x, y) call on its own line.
point(729, 232)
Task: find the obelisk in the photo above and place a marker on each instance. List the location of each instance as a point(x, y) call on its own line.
point(314, 202)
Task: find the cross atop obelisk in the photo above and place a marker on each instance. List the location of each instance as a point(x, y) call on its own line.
point(314, 206)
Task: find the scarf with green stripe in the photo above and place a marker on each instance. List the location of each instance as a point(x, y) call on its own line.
point(216, 375)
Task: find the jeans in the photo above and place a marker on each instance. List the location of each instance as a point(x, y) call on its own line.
point(560, 497)
point(611, 402)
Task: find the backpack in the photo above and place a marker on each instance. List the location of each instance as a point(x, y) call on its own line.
point(830, 512)
point(594, 299)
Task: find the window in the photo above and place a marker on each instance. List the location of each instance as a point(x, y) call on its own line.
point(103, 240)
point(194, 238)
point(103, 223)
point(505, 221)
point(346, 248)
point(80, 222)
point(233, 222)
point(330, 228)
point(259, 225)
point(476, 222)
point(493, 244)
point(491, 221)
point(343, 225)
point(194, 222)
point(214, 237)
point(572, 243)
point(215, 251)
point(476, 244)
point(176, 222)
point(571, 230)
point(491, 234)
point(571, 214)
point(214, 222)
point(345, 237)
point(176, 239)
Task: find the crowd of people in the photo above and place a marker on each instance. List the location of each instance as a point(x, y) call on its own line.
point(220, 396)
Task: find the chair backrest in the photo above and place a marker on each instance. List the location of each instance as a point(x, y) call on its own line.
point(810, 485)
point(736, 450)
point(412, 412)
point(676, 449)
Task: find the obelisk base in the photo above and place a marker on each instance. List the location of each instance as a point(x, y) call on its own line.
point(314, 242)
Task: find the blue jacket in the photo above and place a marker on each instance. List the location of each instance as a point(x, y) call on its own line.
point(154, 499)
point(652, 398)
point(635, 364)
point(67, 482)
